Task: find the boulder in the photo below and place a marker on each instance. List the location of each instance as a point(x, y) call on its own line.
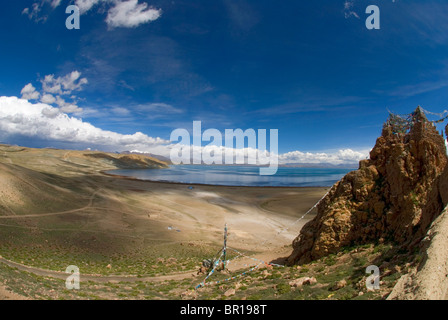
point(339, 285)
point(230, 292)
point(304, 281)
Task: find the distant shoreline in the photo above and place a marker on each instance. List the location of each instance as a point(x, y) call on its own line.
point(207, 185)
point(304, 166)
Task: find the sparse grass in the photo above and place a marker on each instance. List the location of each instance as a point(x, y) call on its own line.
point(330, 260)
point(91, 240)
point(144, 260)
point(349, 266)
point(283, 288)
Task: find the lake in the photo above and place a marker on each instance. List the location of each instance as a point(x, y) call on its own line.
point(239, 176)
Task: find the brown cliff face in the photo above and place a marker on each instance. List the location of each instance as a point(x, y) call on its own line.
point(443, 181)
point(393, 196)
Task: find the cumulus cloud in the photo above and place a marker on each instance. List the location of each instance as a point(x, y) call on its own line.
point(123, 13)
point(55, 88)
point(29, 92)
point(345, 156)
point(261, 157)
point(130, 14)
point(50, 112)
point(63, 85)
point(48, 99)
point(213, 154)
point(23, 118)
point(20, 117)
point(120, 13)
point(67, 107)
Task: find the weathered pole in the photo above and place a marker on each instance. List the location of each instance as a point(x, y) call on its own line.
point(225, 247)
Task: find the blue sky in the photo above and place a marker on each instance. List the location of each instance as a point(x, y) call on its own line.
point(310, 69)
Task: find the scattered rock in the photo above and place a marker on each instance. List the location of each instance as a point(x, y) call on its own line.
point(339, 285)
point(397, 269)
point(304, 281)
point(265, 273)
point(230, 292)
point(189, 294)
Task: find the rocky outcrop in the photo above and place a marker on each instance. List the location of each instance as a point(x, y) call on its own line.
point(395, 195)
point(443, 181)
point(429, 281)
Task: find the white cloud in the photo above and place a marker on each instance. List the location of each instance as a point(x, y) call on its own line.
point(120, 111)
point(50, 112)
point(67, 107)
point(45, 122)
point(29, 92)
point(348, 9)
point(20, 117)
point(340, 157)
point(54, 3)
point(63, 85)
point(158, 108)
point(85, 5)
point(130, 14)
point(49, 85)
point(123, 13)
point(34, 13)
point(53, 90)
point(48, 99)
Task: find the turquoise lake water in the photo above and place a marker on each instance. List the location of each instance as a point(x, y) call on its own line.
point(239, 176)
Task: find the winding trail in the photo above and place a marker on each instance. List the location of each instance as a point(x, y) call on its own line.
point(24, 216)
point(96, 277)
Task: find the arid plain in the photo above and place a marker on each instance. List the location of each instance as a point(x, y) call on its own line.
point(58, 208)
